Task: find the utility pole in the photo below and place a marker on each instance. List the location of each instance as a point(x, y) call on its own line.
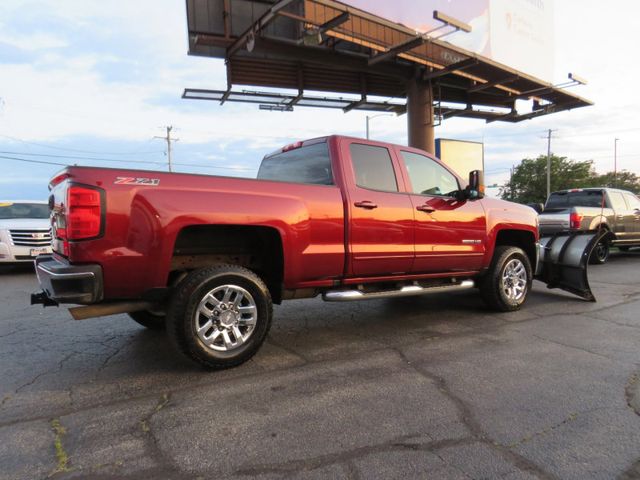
point(511, 196)
point(549, 162)
point(168, 139)
point(615, 162)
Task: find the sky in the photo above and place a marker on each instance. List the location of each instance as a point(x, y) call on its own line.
point(93, 82)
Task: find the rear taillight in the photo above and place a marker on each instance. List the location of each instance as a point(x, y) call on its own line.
point(575, 220)
point(76, 215)
point(83, 213)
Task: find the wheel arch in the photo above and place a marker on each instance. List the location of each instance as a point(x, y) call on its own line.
point(257, 248)
point(524, 239)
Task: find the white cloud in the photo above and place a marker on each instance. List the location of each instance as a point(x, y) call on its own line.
point(32, 42)
point(69, 92)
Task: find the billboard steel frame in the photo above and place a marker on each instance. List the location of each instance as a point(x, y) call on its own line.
point(325, 45)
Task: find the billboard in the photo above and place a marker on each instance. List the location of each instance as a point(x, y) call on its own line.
point(517, 33)
point(462, 157)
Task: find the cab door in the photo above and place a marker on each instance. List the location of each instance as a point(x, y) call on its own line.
point(634, 220)
point(624, 216)
point(380, 232)
point(450, 234)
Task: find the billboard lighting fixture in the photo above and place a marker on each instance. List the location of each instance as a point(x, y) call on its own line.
point(312, 37)
point(276, 108)
point(577, 79)
point(574, 80)
point(449, 21)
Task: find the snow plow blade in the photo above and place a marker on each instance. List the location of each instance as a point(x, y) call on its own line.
point(563, 261)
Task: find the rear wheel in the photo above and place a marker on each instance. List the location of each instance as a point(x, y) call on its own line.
point(507, 283)
point(150, 320)
point(600, 254)
point(220, 316)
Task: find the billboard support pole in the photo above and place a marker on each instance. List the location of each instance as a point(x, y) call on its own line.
point(420, 115)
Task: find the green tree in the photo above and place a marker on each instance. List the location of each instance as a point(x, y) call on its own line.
point(625, 180)
point(528, 183)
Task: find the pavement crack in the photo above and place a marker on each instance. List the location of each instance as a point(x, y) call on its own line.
point(632, 473)
point(469, 420)
point(14, 332)
point(110, 357)
point(632, 393)
point(351, 471)
point(152, 441)
point(344, 457)
point(619, 324)
point(62, 458)
point(288, 349)
point(163, 402)
point(56, 369)
point(543, 432)
point(575, 347)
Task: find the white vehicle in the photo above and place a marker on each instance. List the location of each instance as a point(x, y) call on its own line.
point(25, 230)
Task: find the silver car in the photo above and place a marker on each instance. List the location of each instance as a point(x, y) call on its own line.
point(25, 230)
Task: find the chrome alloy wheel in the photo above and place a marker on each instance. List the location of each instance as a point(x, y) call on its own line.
point(225, 318)
point(514, 280)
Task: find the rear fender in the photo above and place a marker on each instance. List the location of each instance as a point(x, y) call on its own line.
point(598, 222)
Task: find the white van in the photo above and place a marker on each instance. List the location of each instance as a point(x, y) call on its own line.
point(25, 230)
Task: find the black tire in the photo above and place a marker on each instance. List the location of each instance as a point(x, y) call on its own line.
point(600, 253)
point(149, 320)
point(191, 294)
point(492, 284)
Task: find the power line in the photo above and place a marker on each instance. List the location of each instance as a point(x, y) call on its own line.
point(31, 161)
point(43, 145)
point(73, 157)
point(237, 169)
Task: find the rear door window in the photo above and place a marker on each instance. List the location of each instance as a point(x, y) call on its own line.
point(617, 201)
point(633, 201)
point(373, 168)
point(308, 164)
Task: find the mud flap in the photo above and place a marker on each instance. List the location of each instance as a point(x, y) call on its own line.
point(563, 259)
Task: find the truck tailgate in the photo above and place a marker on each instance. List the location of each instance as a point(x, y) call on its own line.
point(553, 222)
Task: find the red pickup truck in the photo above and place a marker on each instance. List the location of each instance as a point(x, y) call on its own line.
point(345, 218)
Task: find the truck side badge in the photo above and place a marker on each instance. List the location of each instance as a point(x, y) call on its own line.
point(152, 182)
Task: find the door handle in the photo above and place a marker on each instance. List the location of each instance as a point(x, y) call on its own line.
point(366, 204)
point(425, 208)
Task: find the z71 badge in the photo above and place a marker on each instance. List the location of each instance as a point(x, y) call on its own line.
point(152, 182)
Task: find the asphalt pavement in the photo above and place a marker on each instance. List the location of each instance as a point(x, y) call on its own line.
point(434, 387)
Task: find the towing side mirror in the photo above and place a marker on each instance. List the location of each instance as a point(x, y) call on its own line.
point(475, 190)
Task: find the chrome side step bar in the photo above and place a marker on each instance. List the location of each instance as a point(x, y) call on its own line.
point(407, 291)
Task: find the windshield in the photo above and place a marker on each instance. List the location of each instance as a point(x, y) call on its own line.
point(9, 210)
point(583, 198)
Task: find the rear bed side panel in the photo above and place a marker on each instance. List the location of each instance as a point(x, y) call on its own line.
point(143, 222)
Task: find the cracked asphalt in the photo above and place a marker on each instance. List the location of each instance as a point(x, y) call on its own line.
point(430, 387)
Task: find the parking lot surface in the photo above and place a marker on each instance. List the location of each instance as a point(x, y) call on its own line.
point(428, 387)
